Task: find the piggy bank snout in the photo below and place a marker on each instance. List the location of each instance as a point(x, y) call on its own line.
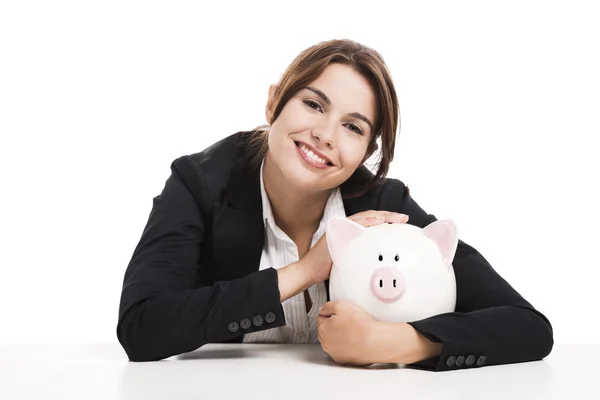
point(387, 284)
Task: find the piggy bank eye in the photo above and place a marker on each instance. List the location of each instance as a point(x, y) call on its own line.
point(380, 257)
point(397, 257)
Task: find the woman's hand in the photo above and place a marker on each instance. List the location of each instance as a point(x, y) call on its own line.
point(347, 333)
point(317, 262)
point(351, 336)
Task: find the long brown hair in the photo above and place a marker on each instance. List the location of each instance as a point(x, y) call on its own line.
point(307, 67)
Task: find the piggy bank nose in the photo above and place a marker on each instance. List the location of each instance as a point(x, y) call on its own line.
point(387, 284)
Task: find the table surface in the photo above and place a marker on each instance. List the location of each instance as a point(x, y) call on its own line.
point(253, 371)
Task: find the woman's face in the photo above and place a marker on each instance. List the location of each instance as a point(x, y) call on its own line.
point(322, 133)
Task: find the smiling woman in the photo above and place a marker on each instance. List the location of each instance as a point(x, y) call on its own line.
point(235, 248)
point(337, 91)
point(320, 133)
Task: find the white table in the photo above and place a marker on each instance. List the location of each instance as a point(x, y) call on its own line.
point(260, 371)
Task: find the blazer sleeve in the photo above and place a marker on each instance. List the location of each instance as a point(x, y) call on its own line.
point(492, 323)
point(165, 309)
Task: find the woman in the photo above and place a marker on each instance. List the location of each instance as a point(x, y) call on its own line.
point(235, 249)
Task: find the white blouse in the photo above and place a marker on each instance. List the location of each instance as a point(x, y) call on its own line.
point(278, 251)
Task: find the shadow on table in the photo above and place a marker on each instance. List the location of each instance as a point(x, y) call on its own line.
point(202, 354)
point(316, 355)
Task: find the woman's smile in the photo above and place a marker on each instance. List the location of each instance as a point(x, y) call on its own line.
point(311, 158)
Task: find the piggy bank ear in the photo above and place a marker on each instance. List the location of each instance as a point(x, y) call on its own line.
point(445, 235)
point(340, 232)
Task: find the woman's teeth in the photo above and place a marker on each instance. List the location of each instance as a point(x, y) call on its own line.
point(312, 155)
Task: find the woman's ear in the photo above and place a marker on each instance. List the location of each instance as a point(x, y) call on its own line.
point(270, 103)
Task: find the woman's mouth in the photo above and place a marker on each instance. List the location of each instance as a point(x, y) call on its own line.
point(311, 158)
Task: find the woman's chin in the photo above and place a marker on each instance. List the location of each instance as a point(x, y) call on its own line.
point(309, 181)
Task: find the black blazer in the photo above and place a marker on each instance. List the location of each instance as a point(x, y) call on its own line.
point(193, 277)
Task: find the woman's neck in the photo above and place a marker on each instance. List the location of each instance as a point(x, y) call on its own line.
point(296, 212)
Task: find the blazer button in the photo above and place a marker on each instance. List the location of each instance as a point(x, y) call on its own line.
point(481, 360)
point(270, 317)
point(257, 320)
point(460, 360)
point(245, 323)
point(450, 361)
point(470, 360)
point(233, 327)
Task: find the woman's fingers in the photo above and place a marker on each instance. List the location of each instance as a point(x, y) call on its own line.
point(396, 217)
point(373, 217)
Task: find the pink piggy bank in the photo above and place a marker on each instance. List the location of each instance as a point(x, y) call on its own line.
point(395, 272)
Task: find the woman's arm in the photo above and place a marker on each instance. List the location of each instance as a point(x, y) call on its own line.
point(492, 323)
point(165, 308)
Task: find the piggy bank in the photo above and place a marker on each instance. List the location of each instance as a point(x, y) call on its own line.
point(395, 272)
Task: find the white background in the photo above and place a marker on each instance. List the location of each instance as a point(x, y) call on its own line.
point(500, 124)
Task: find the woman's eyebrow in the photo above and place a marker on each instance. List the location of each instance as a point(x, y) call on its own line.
point(324, 97)
point(320, 94)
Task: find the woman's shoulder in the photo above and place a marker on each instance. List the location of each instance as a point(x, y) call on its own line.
point(392, 193)
point(205, 172)
point(394, 186)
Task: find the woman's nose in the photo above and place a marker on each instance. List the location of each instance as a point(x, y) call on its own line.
point(325, 136)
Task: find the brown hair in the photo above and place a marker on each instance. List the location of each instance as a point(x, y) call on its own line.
point(307, 67)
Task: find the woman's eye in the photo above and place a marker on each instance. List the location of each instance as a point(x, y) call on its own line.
point(313, 104)
point(355, 128)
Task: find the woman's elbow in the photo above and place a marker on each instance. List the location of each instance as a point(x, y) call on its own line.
point(133, 338)
point(544, 334)
point(548, 340)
